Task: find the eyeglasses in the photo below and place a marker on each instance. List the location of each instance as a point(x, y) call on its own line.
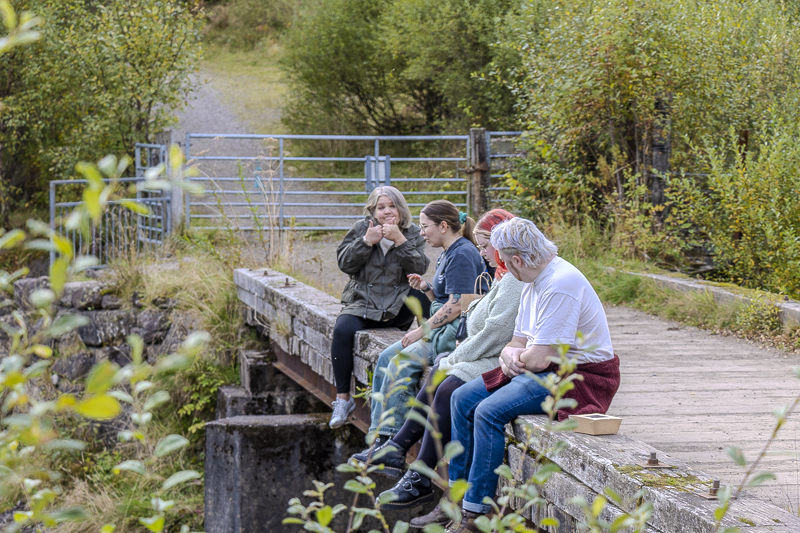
point(482, 247)
point(423, 227)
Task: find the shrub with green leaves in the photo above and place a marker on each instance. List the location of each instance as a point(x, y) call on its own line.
point(747, 208)
point(102, 77)
point(395, 66)
point(31, 440)
point(34, 440)
point(594, 71)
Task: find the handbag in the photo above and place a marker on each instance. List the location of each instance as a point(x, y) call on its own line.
point(461, 332)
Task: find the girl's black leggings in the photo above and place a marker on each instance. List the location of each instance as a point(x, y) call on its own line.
point(344, 333)
point(412, 431)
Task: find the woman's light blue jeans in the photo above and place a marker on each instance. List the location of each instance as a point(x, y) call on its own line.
point(393, 372)
point(478, 423)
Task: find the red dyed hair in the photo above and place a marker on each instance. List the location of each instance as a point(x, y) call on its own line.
point(485, 224)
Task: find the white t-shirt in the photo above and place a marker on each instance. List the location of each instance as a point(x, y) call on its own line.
point(557, 305)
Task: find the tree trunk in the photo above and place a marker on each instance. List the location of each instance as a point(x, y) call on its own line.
point(661, 152)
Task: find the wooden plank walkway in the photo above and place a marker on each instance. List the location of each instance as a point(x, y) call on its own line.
point(692, 394)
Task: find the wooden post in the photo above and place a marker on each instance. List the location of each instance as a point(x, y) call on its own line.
point(479, 171)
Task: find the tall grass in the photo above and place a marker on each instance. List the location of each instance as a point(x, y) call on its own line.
point(200, 285)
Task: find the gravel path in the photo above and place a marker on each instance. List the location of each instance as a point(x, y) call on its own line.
point(207, 113)
point(210, 111)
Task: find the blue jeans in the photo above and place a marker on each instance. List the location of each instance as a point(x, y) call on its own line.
point(478, 421)
point(388, 375)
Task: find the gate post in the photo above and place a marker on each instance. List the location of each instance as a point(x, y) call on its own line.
point(176, 206)
point(479, 172)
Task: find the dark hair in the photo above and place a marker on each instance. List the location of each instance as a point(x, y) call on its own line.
point(444, 211)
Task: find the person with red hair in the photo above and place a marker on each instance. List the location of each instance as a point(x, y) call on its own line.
point(490, 325)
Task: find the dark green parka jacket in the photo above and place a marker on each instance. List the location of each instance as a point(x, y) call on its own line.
point(378, 284)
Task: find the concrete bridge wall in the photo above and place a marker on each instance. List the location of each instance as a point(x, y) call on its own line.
point(299, 322)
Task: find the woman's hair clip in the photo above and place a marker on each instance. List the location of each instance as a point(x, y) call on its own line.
point(462, 217)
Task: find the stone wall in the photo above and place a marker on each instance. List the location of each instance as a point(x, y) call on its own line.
point(161, 326)
point(300, 320)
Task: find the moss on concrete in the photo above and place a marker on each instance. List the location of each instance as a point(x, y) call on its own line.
point(664, 479)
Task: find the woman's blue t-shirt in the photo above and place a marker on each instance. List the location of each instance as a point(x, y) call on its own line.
point(457, 269)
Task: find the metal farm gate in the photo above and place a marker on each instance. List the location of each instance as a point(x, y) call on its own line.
point(258, 181)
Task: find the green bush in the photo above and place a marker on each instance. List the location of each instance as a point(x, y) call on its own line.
point(599, 80)
point(594, 71)
point(248, 24)
point(747, 208)
point(395, 66)
point(103, 77)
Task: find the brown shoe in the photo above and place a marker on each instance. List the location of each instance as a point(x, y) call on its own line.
point(467, 524)
point(437, 516)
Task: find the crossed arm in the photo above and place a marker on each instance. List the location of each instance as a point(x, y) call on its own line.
point(516, 359)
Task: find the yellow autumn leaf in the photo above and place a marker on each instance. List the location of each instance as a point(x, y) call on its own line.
point(100, 407)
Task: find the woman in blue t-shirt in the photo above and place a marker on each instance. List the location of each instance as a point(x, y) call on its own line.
point(458, 268)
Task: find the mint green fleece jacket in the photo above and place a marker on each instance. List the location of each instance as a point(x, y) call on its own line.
point(490, 325)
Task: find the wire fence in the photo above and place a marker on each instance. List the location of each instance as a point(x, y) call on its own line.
point(256, 182)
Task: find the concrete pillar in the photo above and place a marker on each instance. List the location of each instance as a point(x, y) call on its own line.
point(255, 464)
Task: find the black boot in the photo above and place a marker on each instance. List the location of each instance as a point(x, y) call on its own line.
point(414, 489)
point(394, 462)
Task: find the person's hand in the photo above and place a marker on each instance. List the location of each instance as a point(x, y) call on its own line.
point(412, 336)
point(392, 232)
point(416, 282)
point(504, 368)
point(510, 361)
point(374, 234)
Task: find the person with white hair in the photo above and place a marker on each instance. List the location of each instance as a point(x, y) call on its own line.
point(558, 307)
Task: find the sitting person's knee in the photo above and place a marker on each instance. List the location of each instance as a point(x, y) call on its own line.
point(485, 414)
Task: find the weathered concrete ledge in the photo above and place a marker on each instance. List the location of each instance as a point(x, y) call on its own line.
point(590, 464)
point(789, 309)
point(300, 319)
point(264, 391)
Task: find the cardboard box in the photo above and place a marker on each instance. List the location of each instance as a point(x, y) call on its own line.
point(597, 424)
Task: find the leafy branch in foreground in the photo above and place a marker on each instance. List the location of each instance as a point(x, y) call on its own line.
point(30, 411)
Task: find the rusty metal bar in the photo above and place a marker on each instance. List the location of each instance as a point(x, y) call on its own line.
point(304, 375)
